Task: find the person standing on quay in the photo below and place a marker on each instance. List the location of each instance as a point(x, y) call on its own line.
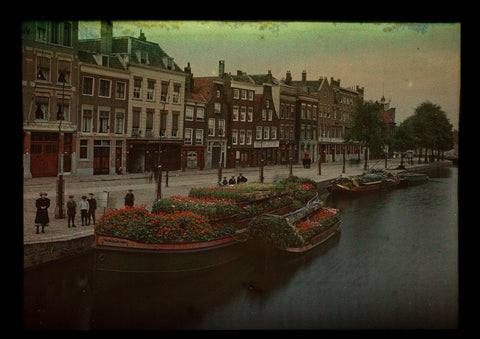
point(41, 218)
point(92, 206)
point(71, 211)
point(84, 210)
point(129, 198)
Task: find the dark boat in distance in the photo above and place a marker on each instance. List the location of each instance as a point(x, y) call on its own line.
point(412, 178)
point(366, 182)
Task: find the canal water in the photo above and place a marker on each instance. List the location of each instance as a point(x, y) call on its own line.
point(394, 265)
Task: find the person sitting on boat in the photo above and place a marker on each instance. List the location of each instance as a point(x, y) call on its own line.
point(241, 179)
point(232, 180)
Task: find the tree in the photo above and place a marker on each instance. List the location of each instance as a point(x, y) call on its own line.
point(432, 128)
point(368, 127)
point(404, 138)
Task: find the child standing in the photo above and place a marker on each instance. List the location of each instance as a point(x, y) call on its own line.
point(71, 211)
point(84, 210)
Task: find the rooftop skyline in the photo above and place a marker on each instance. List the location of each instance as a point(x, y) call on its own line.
point(407, 63)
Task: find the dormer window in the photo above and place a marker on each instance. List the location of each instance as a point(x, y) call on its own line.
point(168, 61)
point(105, 60)
point(144, 57)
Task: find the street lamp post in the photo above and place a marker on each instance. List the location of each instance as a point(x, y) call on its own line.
point(59, 211)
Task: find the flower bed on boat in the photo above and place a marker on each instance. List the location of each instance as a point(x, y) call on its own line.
point(282, 233)
point(212, 208)
point(136, 223)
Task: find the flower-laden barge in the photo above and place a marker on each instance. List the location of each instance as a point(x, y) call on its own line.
point(366, 182)
point(203, 230)
point(300, 230)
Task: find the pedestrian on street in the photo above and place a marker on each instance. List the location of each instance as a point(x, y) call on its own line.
point(232, 180)
point(41, 218)
point(71, 211)
point(92, 207)
point(84, 210)
point(129, 198)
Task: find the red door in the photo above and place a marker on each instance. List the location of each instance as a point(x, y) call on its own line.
point(43, 159)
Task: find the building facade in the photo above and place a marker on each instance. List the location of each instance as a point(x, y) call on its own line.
point(49, 94)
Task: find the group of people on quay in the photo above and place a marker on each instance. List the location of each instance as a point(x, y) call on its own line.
point(240, 180)
point(87, 208)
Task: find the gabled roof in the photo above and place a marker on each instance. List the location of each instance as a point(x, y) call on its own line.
point(204, 86)
point(260, 79)
point(88, 57)
point(195, 96)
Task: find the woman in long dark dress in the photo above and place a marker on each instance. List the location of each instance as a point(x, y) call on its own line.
point(41, 218)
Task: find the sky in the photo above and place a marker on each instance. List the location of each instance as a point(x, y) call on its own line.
point(408, 63)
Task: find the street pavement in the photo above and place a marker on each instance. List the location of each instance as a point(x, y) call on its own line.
point(144, 190)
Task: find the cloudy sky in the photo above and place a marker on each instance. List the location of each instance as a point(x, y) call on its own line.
point(407, 62)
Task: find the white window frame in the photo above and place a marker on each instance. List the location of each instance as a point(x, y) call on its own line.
point(235, 113)
point(248, 139)
point(270, 115)
point(211, 127)
point(250, 95)
point(250, 114)
point(218, 108)
point(109, 88)
point(258, 133)
point(274, 133)
point(243, 113)
point(117, 118)
point(188, 132)
point(234, 137)
point(241, 137)
point(221, 127)
point(236, 93)
point(266, 132)
point(199, 141)
point(244, 94)
point(90, 125)
point(200, 114)
point(189, 109)
point(124, 90)
point(93, 86)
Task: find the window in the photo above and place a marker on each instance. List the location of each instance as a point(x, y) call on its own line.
point(41, 111)
point(250, 113)
point(189, 113)
point(43, 68)
point(199, 136)
point(266, 132)
point(87, 120)
point(211, 127)
point(143, 57)
point(221, 127)
point(249, 137)
point(309, 112)
point(163, 123)
point(243, 113)
point(64, 67)
point(280, 132)
point(218, 93)
point(250, 95)
point(83, 149)
point(307, 132)
point(244, 94)
point(267, 103)
point(87, 88)
point(104, 88)
point(314, 112)
point(270, 115)
point(234, 136)
point(67, 34)
point(176, 93)
point(103, 121)
point(302, 111)
point(164, 93)
point(120, 90)
point(200, 114)
point(135, 119)
point(235, 113)
point(258, 133)
point(137, 88)
point(236, 93)
point(149, 123)
point(241, 138)
point(217, 107)
point(175, 124)
point(119, 118)
point(264, 114)
point(188, 136)
point(302, 132)
point(274, 133)
point(150, 89)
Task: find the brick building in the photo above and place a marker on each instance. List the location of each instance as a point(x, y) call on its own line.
point(49, 94)
point(154, 125)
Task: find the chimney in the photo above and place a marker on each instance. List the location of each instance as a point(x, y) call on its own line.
point(288, 78)
point(106, 37)
point(304, 76)
point(189, 78)
point(142, 36)
point(221, 68)
point(269, 77)
point(239, 73)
